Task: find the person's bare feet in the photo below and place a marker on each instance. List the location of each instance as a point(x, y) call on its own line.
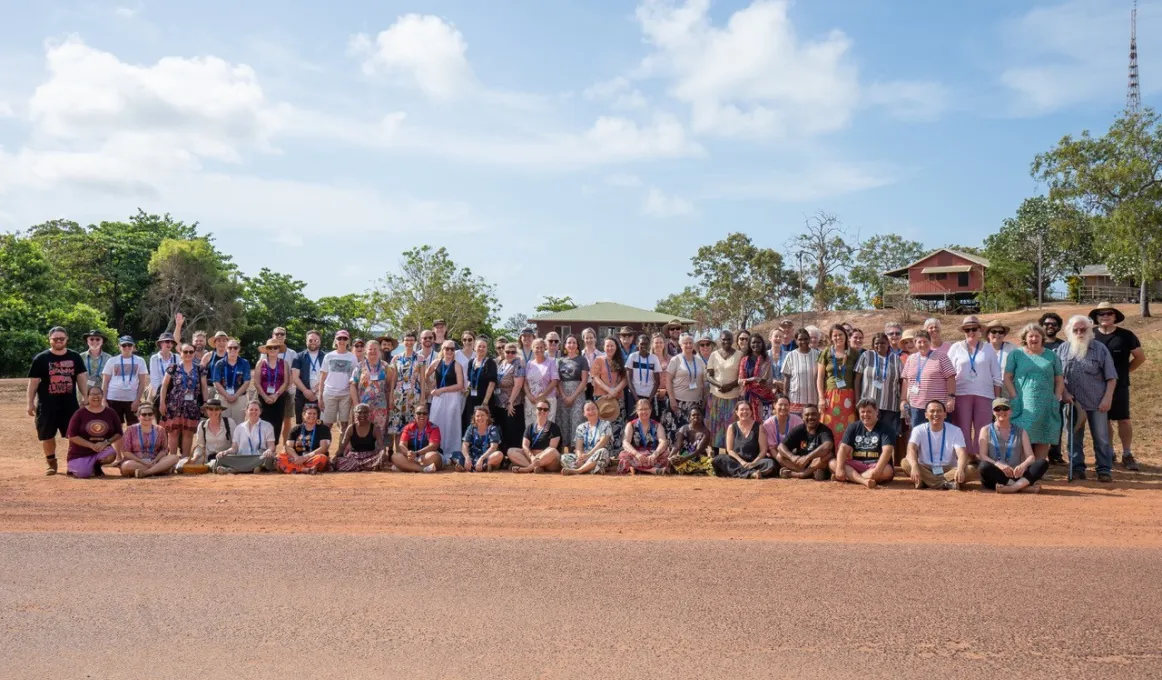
point(568, 471)
point(870, 483)
point(1034, 487)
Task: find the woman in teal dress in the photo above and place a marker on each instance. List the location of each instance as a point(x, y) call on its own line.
point(1034, 382)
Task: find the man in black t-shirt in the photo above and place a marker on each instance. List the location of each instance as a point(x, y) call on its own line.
point(807, 450)
point(865, 456)
point(1128, 355)
point(52, 392)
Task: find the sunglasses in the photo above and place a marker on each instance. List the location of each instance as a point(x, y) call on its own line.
point(996, 332)
point(1106, 314)
point(128, 344)
point(542, 408)
point(421, 413)
point(145, 414)
point(233, 349)
point(894, 333)
point(279, 335)
point(1050, 324)
point(1000, 409)
point(187, 351)
point(554, 342)
point(510, 351)
point(975, 329)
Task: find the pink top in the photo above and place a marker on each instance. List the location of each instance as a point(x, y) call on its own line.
point(775, 434)
point(933, 382)
point(538, 375)
point(145, 446)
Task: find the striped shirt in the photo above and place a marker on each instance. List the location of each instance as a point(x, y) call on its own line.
point(889, 370)
point(799, 370)
point(932, 382)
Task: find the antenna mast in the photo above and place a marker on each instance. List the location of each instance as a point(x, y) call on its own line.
point(1134, 91)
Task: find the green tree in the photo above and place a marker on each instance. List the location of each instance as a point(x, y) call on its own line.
point(273, 299)
point(430, 286)
point(556, 304)
point(691, 304)
point(826, 244)
point(1045, 231)
point(193, 278)
point(878, 254)
point(353, 312)
point(745, 284)
point(1116, 179)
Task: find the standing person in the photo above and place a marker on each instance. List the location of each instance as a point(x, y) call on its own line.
point(644, 372)
point(591, 441)
point(409, 388)
point(289, 356)
point(627, 345)
point(806, 451)
point(540, 382)
point(644, 445)
point(308, 448)
point(540, 449)
point(573, 372)
point(857, 341)
point(419, 445)
point(705, 348)
point(553, 345)
point(231, 378)
point(935, 338)
point(53, 378)
point(816, 337)
point(143, 448)
point(1007, 463)
point(93, 433)
point(386, 347)
point(781, 422)
point(305, 372)
point(480, 445)
point(798, 372)
point(274, 375)
point(429, 354)
point(877, 377)
point(673, 331)
point(183, 390)
point(1033, 380)
point(209, 360)
point(787, 328)
point(358, 347)
point(686, 380)
point(1051, 322)
point(527, 335)
point(690, 453)
point(1002, 348)
point(1090, 381)
point(867, 449)
point(508, 399)
point(338, 365)
point(252, 445)
point(480, 375)
point(907, 344)
point(835, 381)
point(746, 455)
point(756, 375)
point(895, 332)
point(199, 344)
point(448, 399)
point(776, 350)
point(938, 468)
point(439, 333)
point(363, 447)
point(661, 400)
point(123, 381)
point(464, 355)
point(373, 383)
point(928, 376)
point(722, 377)
point(609, 385)
point(95, 357)
point(978, 382)
point(498, 346)
point(161, 361)
point(589, 352)
point(1128, 356)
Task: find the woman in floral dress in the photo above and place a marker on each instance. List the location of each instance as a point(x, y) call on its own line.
point(183, 390)
point(408, 391)
point(755, 377)
point(609, 381)
point(373, 383)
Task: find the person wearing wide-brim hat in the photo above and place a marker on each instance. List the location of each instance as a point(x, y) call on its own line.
point(1128, 356)
point(95, 357)
point(161, 361)
point(978, 382)
point(673, 331)
point(525, 344)
point(705, 346)
point(995, 332)
point(212, 437)
point(272, 382)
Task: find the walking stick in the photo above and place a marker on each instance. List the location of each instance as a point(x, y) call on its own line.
point(1069, 438)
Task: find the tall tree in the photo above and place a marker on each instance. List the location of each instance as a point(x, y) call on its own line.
point(193, 278)
point(826, 245)
point(1117, 179)
point(556, 304)
point(878, 254)
point(692, 304)
point(430, 286)
point(1044, 242)
point(747, 284)
point(276, 299)
point(352, 312)
point(515, 324)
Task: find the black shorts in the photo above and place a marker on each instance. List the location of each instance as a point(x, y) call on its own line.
point(1120, 408)
point(124, 411)
point(51, 422)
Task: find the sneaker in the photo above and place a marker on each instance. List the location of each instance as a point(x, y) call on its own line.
point(1105, 477)
point(1079, 475)
point(430, 468)
point(1129, 463)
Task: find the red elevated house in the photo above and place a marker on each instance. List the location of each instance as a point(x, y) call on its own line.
point(944, 275)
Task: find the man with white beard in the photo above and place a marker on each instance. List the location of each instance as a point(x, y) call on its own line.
point(1090, 379)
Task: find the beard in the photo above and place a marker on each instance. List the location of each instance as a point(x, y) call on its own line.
point(1079, 346)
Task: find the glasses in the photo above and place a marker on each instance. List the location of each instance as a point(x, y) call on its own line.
point(894, 333)
point(279, 335)
point(1000, 409)
point(972, 330)
point(145, 414)
point(235, 348)
point(128, 344)
point(187, 351)
point(510, 351)
point(542, 408)
point(554, 342)
point(340, 339)
point(421, 413)
point(1050, 324)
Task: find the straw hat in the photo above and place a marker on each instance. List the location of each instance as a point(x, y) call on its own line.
point(969, 322)
point(909, 334)
point(607, 408)
point(277, 345)
point(995, 324)
point(1106, 306)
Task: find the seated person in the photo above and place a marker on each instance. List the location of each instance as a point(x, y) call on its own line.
point(92, 432)
point(591, 440)
point(308, 447)
point(481, 445)
point(808, 448)
point(746, 454)
point(644, 447)
point(252, 445)
point(1007, 463)
point(781, 422)
point(865, 455)
point(419, 445)
point(143, 450)
point(691, 444)
point(362, 447)
point(540, 448)
point(937, 457)
point(212, 437)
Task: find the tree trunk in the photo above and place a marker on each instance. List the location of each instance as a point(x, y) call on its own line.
point(1144, 298)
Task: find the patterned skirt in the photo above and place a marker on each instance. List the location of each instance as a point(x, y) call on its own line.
point(357, 461)
point(675, 421)
point(647, 461)
point(719, 416)
point(696, 466)
point(402, 409)
point(569, 417)
point(599, 457)
point(838, 410)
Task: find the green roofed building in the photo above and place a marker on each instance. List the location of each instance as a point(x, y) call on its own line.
point(606, 318)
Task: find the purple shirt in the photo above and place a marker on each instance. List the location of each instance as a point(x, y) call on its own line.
point(538, 376)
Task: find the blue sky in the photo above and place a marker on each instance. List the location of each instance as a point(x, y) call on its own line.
point(562, 147)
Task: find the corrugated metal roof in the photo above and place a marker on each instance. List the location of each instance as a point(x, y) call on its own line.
point(1095, 270)
point(971, 258)
point(610, 312)
point(951, 269)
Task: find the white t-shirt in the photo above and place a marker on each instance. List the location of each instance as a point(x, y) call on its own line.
point(687, 386)
point(315, 366)
point(290, 355)
point(935, 456)
point(987, 374)
point(124, 377)
point(158, 367)
point(338, 368)
point(643, 372)
point(463, 359)
point(252, 440)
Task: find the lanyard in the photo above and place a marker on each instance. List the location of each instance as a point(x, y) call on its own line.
point(931, 456)
point(609, 367)
point(132, 367)
point(997, 441)
point(537, 434)
point(231, 374)
point(303, 439)
point(528, 355)
point(691, 370)
point(835, 365)
point(152, 440)
point(972, 357)
point(920, 372)
point(644, 374)
point(187, 378)
point(378, 376)
point(877, 374)
point(642, 433)
point(590, 441)
point(416, 439)
point(89, 364)
point(474, 377)
point(253, 446)
point(780, 436)
point(312, 365)
point(444, 368)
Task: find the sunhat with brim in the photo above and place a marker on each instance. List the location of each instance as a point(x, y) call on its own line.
point(992, 325)
point(214, 403)
point(1106, 306)
point(970, 322)
point(674, 324)
point(166, 337)
point(93, 334)
point(909, 334)
point(273, 344)
point(607, 408)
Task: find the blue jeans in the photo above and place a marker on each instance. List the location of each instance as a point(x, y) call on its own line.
point(919, 416)
point(1099, 430)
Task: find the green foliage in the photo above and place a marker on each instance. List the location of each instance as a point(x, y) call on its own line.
point(556, 304)
point(275, 299)
point(353, 312)
point(192, 277)
point(430, 286)
point(1063, 235)
point(878, 254)
point(739, 283)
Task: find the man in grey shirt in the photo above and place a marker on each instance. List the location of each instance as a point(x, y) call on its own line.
point(1090, 379)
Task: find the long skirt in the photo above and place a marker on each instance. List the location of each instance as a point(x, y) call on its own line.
point(719, 416)
point(569, 417)
point(316, 463)
point(838, 411)
point(726, 466)
point(402, 408)
point(600, 458)
point(445, 416)
point(648, 462)
point(357, 461)
point(703, 465)
point(512, 428)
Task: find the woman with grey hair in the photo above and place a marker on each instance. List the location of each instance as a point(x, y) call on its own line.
point(1035, 383)
point(936, 341)
point(685, 384)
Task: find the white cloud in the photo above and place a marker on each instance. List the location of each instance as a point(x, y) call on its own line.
point(1076, 52)
point(6, 110)
point(619, 92)
point(659, 204)
point(423, 49)
point(808, 181)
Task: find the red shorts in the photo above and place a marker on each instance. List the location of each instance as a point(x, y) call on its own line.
point(860, 466)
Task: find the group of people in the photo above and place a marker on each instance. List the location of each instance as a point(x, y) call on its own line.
point(808, 405)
